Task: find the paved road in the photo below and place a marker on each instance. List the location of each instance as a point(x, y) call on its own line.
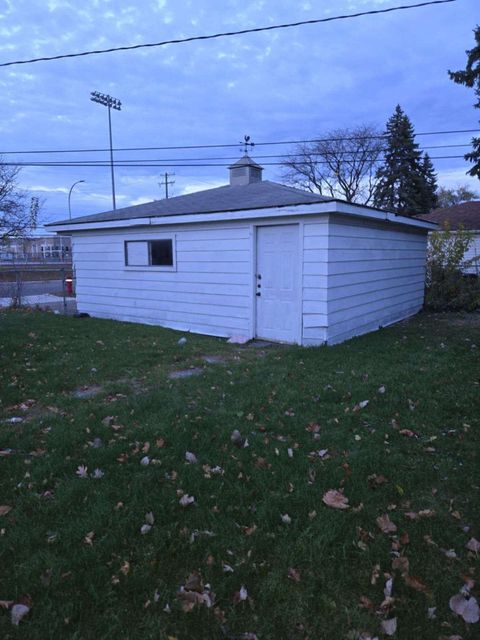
point(36, 287)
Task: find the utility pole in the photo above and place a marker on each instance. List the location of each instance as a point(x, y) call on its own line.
point(111, 103)
point(166, 182)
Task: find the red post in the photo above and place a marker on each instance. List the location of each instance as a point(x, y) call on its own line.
point(69, 286)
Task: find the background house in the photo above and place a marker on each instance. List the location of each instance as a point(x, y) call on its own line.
point(41, 249)
point(466, 215)
point(253, 258)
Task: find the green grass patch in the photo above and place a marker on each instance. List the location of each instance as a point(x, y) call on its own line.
point(97, 394)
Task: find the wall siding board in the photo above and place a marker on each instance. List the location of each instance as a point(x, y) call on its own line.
point(376, 276)
point(208, 292)
point(314, 282)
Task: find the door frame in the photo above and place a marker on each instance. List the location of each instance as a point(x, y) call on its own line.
point(299, 299)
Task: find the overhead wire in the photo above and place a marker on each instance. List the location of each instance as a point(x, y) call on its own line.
point(235, 145)
point(226, 34)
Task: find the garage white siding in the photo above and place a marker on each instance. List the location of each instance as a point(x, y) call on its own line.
point(315, 269)
point(210, 290)
point(376, 275)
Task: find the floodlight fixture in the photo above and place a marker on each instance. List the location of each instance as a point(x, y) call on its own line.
point(111, 103)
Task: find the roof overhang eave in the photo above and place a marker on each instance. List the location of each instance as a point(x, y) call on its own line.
point(316, 208)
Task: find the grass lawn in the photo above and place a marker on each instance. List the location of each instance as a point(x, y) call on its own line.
point(258, 553)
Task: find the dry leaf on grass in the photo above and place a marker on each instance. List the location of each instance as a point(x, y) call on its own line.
point(186, 500)
point(385, 524)
point(401, 564)
point(294, 574)
point(190, 457)
point(472, 545)
point(467, 608)
point(415, 583)
point(335, 499)
point(4, 509)
point(389, 627)
point(18, 612)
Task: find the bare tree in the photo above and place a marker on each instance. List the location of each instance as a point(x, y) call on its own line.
point(18, 212)
point(342, 164)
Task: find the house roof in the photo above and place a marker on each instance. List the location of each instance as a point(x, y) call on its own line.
point(257, 195)
point(466, 214)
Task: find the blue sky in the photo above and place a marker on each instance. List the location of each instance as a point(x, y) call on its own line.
point(282, 85)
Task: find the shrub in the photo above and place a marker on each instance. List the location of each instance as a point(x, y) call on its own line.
point(447, 288)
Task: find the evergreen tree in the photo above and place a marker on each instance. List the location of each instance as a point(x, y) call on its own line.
point(470, 77)
point(406, 181)
point(430, 197)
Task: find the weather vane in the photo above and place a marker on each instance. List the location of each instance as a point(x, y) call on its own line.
point(246, 143)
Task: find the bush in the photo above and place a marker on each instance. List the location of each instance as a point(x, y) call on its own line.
point(447, 287)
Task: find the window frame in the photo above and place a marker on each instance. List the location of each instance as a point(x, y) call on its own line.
point(150, 266)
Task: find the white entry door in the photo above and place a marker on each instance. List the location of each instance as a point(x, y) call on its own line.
point(277, 283)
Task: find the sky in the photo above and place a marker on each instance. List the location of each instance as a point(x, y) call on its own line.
point(275, 86)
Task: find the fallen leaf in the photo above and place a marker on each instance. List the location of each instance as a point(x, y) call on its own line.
point(6, 604)
point(82, 471)
point(366, 603)
point(18, 612)
point(335, 499)
point(294, 574)
point(389, 627)
point(375, 574)
point(150, 518)
point(415, 583)
point(4, 509)
point(385, 524)
point(243, 593)
point(186, 500)
point(401, 564)
point(466, 608)
point(262, 463)
point(88, 539)
point(190, 457)
point(194, 582)
point(472, 544)
point(408, 433)
point(286, 518)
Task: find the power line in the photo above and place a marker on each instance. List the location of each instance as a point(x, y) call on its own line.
point(226, 33)
point(145, 164)
point(231, 146)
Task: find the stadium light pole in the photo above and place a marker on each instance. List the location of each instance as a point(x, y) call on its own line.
point(111, 103)
point(69, 196)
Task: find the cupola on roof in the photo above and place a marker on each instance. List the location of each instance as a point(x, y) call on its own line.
point(245, 171)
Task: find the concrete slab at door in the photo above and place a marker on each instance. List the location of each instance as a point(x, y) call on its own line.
point(277, 287)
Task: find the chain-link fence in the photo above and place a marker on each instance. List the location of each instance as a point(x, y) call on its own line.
point(37, 286)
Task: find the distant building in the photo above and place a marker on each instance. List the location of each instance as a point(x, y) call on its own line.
point(41, 249)
point(466, 215)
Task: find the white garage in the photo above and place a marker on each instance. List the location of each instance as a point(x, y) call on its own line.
point(254, 259)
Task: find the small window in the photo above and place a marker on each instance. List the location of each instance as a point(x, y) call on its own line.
point(149, 253)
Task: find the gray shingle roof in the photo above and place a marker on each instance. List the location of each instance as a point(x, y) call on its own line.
point(466, 214)
point(257, 195)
